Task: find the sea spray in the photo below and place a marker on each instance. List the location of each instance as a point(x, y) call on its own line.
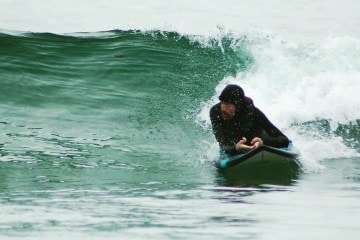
point(299, 85)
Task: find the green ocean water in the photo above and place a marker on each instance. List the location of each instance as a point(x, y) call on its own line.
point(100, 138)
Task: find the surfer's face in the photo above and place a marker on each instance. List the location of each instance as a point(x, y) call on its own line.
point(227, 110)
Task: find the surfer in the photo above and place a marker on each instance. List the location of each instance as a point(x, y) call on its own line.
point(239, 126)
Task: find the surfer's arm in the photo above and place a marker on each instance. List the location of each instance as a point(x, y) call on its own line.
point(224, 143)
point(273, 137)
point(228, 147)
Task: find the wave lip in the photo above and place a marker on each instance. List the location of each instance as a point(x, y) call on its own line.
point(293, 21)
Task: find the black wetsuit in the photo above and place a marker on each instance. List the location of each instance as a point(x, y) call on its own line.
point(248, 122)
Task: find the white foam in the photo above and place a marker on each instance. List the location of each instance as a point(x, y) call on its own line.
point(294, 84)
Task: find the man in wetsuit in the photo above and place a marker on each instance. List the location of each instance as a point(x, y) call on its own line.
point(239, 126)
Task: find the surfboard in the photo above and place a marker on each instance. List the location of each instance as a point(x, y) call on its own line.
point(263, 162)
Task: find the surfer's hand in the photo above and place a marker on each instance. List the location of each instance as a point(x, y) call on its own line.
point(241, 145)
point(256, 142)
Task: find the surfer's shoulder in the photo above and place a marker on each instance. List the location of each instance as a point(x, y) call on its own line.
point(215, 109)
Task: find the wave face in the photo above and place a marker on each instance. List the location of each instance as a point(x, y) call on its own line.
point(132, 91)
point(150, 92)
point(108, 133)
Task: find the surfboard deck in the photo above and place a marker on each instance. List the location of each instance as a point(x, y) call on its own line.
point(263, 163)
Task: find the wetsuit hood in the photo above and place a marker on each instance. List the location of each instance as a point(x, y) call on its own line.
point(233, 94)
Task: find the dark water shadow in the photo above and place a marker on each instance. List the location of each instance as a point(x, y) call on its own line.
point(259, 175)
point(235, 186)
